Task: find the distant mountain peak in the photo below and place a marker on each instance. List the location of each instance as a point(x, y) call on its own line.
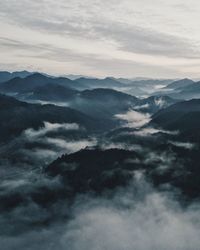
point(180, 83)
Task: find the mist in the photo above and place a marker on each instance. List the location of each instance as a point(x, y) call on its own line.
point(99, 125)
point(134, 119)
point(136, 217)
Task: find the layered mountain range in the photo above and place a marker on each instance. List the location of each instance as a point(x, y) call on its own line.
point(66, 143)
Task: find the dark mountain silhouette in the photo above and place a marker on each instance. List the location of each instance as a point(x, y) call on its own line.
point(16, 116)
point(182, 116)
point(99, 170)
point(53, 92)
point(94, 169)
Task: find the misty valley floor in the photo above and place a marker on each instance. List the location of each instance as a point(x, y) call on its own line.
point(99, 164)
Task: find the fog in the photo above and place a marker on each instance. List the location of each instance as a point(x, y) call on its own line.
point(136, 217)
point(134, 119)
point(45, 212)
point(147, 220)
point(31, 133)
point(36, 147)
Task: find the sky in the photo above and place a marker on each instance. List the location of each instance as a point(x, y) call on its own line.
point(127, 38)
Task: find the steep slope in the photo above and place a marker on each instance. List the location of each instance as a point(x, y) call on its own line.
point(153, 104)
point(183, 116)
point(16, 116)
point(53, 92)
point(94, 169)
point(103, 103)
point(99, 170)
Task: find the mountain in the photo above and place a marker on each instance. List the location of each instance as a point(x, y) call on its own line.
point(153, 104)
point(183, 117)
point(21, 74)
point(6, 76)
point(100, 170)
point(143, 87)
point(102, 102)
point(53, 92)
point(16, 116)
point(27, 84)
point(74, 77)
point(184, 89)
point(92, 83)
point(94, 169)
point(180, 84)
point(174, 89)
point(95, 102)
point(188, 92)
point(150, 82)
point(107, 95)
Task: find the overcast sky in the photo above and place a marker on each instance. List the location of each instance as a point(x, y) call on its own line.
point(129, 38)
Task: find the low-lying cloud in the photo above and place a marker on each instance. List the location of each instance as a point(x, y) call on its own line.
point(151, 131)
point(186, 145)
point(134, 119)
point(49, 127)
point(135, 217)
point(36, 147)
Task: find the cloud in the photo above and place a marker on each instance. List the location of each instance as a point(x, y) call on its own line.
point(120, 145)
point(128, 37)
point(160, 102)
point(49, 127)
point(71, 146)
point(36, 147)
point(141, 40)
point(40, 155)
point(115, 33)
point(151, 131)
point(57, 145)
point(186, 145)
point(134, 119)
point(146, 131)
point(135, 218)
point(14, 44)
point(166, 159)
point(51, 147)
point(144, 106)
